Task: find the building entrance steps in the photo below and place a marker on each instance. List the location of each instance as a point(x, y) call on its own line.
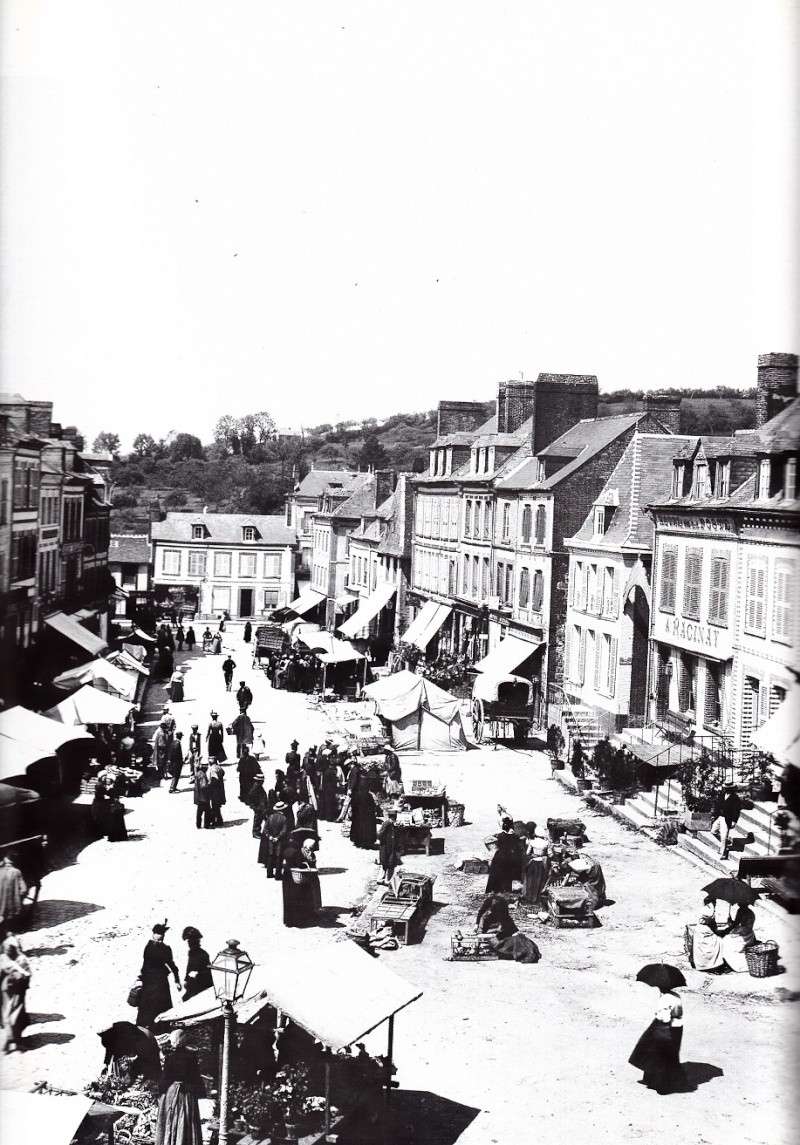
point(582, 724)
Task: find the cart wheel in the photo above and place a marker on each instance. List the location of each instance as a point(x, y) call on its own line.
point(477, 720)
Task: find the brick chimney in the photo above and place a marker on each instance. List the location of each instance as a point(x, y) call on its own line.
point(459, 417)
point(515, 404)
point(777, 384)
point(666, 408)
point(385, 481)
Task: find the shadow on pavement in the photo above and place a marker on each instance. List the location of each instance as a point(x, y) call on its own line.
point(414, 1117)
point(328, 916)
point(332, 870)
point(40, 1019)
point(36, 1041)
point(231, 823)
point(43, 951)
point(52, 912)
point(698, 1073)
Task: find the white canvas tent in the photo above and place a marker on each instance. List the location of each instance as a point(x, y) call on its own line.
point(90, 706)
point(422, 715)
point(101, 675)
point(780, 735)
point(27, 738)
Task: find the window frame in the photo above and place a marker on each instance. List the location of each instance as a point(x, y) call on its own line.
point(668, 585)
point(177, 553)
point(757, 565)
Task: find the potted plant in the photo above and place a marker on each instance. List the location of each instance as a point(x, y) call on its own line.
point(755, 775)
point(701, 784)
point(255, 1107)
point(291, 1091)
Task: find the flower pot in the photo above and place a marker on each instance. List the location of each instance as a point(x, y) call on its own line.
point(292, 1132)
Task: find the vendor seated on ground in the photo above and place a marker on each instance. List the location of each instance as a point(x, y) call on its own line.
point(588, 874)
point(494, 921)
point(706, 949)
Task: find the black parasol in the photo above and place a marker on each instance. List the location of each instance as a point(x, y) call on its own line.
point(661, 975)
point(731, 890)
point(123, 1039)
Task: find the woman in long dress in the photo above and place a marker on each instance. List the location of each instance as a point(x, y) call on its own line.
point(505, 863)
point(363, 830)
point(215, 739)
point(198, 964)
point(738, 939)
point(328, 794)
point(536, 869)
point(157, 964)
point(15, 978)
point(180, 1087)
point(657, 1053)
point(298, 896)
point(388, 850)
point(706, 943)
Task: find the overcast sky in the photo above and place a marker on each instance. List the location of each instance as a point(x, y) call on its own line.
point(333, 209)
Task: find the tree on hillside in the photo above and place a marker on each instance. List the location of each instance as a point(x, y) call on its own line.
point(107, 442)
point(372, 453)
point(144, 445)
point(240, 435)
point(185, 446)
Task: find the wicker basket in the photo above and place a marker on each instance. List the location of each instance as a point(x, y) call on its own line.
point(762, 959)
point(455, 814)
point(300, 875)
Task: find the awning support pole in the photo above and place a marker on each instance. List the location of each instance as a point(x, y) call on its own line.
point(327, 1094)
point(389, 1056)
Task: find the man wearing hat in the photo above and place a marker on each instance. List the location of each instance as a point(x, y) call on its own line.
point(244, 697)
point(274, 834)
point(247, 769)
point(726, 815)
point(195, 748)
point(257, 800)
point(228, 668)
point(161, 743)
point(157, 964)
point(168, 720)
point(202, 795)
point(175, 761)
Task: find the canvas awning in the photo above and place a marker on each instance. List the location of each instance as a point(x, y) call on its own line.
point(507, 656)
point(426, 624)
point(780, 735)
point(343, 599)
point(337, 995)
point(69, 627)
point(102, 675)
point(309, 598)
point(90, 706)
point(368, 609)
point(54, 1118)
point(27, 738)
point(135, 651)
point(341, 651)
point(127, 663)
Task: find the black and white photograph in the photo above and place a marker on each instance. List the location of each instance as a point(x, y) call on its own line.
point(399, 572)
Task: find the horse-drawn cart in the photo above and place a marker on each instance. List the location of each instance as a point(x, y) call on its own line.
point(267, 638)
point(499, 702)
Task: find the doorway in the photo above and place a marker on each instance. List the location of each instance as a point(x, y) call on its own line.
point(245, 602)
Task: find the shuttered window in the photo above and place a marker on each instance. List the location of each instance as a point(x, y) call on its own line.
point(538, 590)
point(692, 582)
point(755, 604)
point(526, 525)
point(509, 584)
point(581, 634)
point(782, 610)
point(524, 587)
point(506, 520)
point(468, 519)
point(486, 581)
point(718, 594)
point(487, 521)
point(612, 664)
point(669, 572)
point(712, 706)
point(598, 642)
point(540, 524)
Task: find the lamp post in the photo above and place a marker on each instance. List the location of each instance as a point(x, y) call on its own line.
point(230, 971)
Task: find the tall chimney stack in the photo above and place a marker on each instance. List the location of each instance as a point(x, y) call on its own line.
point(777, 384)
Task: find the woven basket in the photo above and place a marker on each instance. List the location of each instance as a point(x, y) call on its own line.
point(455, 814)
point(762, 959)
point(300, 874)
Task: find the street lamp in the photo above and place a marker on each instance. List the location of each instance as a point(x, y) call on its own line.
point(230, 973)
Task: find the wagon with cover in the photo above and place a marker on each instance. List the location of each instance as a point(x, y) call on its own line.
point(499, 702)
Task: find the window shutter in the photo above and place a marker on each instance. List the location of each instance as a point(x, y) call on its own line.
point(598, 661)
point(756, 589)
point(684, 686)
point(581, 632)
point(524, 588)
point(782, 615)
point(612, 666)
point(692, 575)
point(540, 524)
point(538, 590)
point(669, 561)
point(509, 584)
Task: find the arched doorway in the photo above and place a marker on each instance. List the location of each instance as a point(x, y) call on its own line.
point(638, 612)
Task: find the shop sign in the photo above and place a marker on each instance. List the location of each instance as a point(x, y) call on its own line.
point(706, 639)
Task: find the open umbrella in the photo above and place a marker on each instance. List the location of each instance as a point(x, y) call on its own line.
point(730, 890)
point(661, 975)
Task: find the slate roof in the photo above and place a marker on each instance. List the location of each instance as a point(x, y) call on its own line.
point(361, 501)
point(463, 437)
point(316, 481)
point(781, 432)
point(592, 435)
point(397, 535)
point(224, 528)
point(129, 549)
point(643, 474)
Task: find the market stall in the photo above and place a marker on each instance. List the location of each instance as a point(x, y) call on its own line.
point(421, 715)
point(337, 995)
point(101, 675)
point(56, 1119)
point(91, 706)
point(49, 754)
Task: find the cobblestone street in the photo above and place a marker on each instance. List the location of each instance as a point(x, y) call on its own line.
point(522, 1045)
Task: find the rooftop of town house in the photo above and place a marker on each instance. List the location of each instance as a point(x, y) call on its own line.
point(396, 539)
point(467, 437)
point(781, 432)
point(642, 474)
point(581, 443)
point(465, 472)
point(224, 528)
point(361, 501)
point(129, 549)
point(316, 481)
point(742, 444)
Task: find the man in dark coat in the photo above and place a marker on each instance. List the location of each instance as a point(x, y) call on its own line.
point(175, 761)
point(258, 801)
point(157, 964)
point(161, 745)
point(726, 815)
point(274, 834)
point(228, 668)
point(248, 632)
point(247, 768)
point(293, 758)
point(202, 795)
point(195, 747)
point(244, 697)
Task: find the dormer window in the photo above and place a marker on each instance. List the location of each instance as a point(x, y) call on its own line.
point(198, 532)
point(700, 486)
point(763, 479)
point(723, 479)
point(541, 471)
point(790, 479)
point(249, 533)
point(599, 520)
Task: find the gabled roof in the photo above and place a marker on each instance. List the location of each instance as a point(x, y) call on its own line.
point(361, 501)
point(590, 436)
point(781, 432)
point(643, 474)
point(129, 548)
point(224, 528)
point(316, 481)
point(397, 533)
point(467, 437)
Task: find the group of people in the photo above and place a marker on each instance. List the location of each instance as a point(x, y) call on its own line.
point(158, 965)
point(721, 938)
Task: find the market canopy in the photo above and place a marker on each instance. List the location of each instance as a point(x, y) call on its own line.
point(780, 735)
point(507, 656)
point(91, 706)
point(135, 651)
point(368, 609)
point(102, 675)
point(421, 714)
point(37, 733)
point(426, 624)
point(297, 626)
point(128, 663)
point(69, 627)
point(55, 1118)
point(309, 598)
point(337, 995)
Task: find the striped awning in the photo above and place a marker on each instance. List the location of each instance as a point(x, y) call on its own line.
point(426, 624)
point(367, 610)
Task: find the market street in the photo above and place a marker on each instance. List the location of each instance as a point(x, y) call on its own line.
point(521, 1045)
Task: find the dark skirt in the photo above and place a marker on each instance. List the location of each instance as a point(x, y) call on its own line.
point(657, 1054)
point(301, 901)
point(178, 1120)
point(363, 831)
point(117, 831)
point(176, 692)
point(535, 878)
point(154, 1000)
point(503, 869)
point(328, 802)
point(270, 851)
point(215, 746)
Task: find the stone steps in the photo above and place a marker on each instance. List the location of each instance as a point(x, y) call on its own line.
point(701, 849)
